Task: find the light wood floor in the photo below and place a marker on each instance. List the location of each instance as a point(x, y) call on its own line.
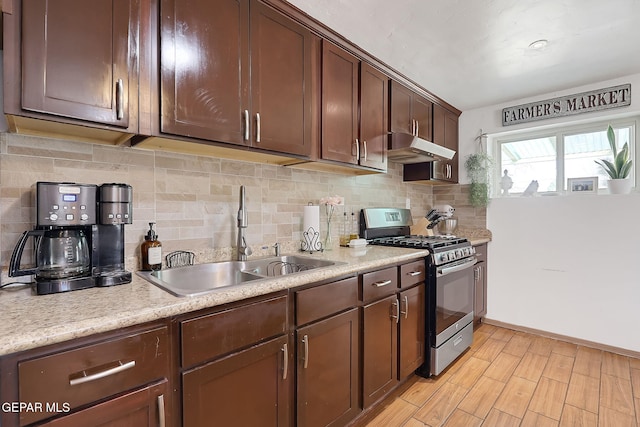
point(511, 378)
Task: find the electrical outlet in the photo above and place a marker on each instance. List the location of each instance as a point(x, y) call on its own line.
point(407, 203)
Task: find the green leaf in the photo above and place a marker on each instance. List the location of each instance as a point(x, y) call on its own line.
point(612, 140)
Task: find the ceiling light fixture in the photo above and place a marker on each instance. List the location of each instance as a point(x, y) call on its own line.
point(539, 44)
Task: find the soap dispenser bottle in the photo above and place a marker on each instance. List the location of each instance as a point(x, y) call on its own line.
point(151, 250)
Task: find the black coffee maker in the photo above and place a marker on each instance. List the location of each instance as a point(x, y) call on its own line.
point(78, 238)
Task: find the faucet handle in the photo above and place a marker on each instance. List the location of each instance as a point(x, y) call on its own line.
point(277, 248)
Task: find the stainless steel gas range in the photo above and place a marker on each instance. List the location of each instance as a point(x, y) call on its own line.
point(449, 313)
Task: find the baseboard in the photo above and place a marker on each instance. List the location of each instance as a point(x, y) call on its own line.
point(578, 341)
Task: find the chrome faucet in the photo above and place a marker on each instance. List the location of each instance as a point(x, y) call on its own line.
point(243, 222)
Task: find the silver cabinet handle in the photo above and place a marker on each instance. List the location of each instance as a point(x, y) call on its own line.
point(285, 367)
point(413, 127)
point(414, 273)
point(381, 284)
point(161, 416)
point(245, 115)
point(417, 128)
point(119, 99)
point(357, 149)
point(107, 372)
point(406, 307)
point(257, 127)
point(396, 306)
point(305, 340)
point(364, 144)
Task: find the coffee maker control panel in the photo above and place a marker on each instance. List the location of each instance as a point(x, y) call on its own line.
point(65, 204)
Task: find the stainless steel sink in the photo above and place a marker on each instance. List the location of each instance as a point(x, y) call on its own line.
point(200, 279)
point(287, 264)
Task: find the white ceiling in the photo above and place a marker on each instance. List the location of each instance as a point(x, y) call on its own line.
point(474, 53)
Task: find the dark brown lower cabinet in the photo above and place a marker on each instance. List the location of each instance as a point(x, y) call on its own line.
point(143, 408)
point(380, 348)
point(247, 388)
point(480, 284)
point(327, 368)
point(412, 333)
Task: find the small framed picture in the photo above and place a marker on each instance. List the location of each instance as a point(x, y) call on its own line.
point(587, 185)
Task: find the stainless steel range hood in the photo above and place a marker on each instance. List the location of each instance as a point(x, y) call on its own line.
point(407, 148)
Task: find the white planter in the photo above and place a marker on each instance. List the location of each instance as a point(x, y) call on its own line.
point(620, 186)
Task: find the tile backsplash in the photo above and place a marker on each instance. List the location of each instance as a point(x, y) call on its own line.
point(194, 199)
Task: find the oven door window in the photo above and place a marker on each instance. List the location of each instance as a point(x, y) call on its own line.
point(454, 298)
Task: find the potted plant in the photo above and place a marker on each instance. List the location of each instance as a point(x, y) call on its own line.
point(478, 167)
point(619, 169)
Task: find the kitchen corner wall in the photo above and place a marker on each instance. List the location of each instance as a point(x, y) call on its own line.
point(194, 199)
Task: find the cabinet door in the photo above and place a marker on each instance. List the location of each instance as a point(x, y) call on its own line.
point(144, 407)
point(281, 88)
point(79, 59)
point(328, 379)
point(479, 292)
point(401, 115)
point(380, 349)
point(248, 388)
point(412, 330)
point(204, 63)
point(374, 117)
point(445, 133)
point(339, 105)
point(480, 283)
point(422, 114)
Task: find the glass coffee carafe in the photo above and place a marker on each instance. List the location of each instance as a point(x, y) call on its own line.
point(61, 253)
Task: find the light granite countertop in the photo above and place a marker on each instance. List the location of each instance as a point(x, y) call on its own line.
point(28, 321)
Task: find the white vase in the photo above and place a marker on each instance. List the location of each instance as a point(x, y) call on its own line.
point(620, 186)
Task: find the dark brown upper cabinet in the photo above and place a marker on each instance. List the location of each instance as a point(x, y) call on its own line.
point(73, 61)
point(445, 133)
point(236, 71)
point(374, 117)
point(410, 112)
point(354, 110)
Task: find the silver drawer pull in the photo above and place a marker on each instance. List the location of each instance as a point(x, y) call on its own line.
point(414, 273)
point(107, 372)
point(396, 309)
point(406, 309)
point(257, 127)
point(162, 422)
point(285, 366)
point(245, 115)
point(119, 99)
point(305, 340)
point(381, 284)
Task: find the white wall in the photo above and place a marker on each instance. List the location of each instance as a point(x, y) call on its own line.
point(569, 265)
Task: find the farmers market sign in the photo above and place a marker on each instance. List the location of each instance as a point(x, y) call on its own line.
point(585, 102)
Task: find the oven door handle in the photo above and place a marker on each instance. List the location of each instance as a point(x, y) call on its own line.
point(443, 271)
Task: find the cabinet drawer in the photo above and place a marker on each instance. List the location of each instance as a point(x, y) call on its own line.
point(322, 301)
point(93, 372)
point(379, 283)
point(412, 273)
point(207, 337)
point(481, 252)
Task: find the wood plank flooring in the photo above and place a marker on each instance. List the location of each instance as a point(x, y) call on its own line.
point(511, 378)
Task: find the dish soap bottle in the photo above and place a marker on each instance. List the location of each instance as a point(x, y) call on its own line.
point(151, 250)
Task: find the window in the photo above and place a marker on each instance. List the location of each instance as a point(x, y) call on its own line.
point(550, 157)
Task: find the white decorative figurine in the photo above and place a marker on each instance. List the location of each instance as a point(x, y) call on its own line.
point(506, 183)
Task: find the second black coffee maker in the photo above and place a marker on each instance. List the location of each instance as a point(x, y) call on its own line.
point(78, 237)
